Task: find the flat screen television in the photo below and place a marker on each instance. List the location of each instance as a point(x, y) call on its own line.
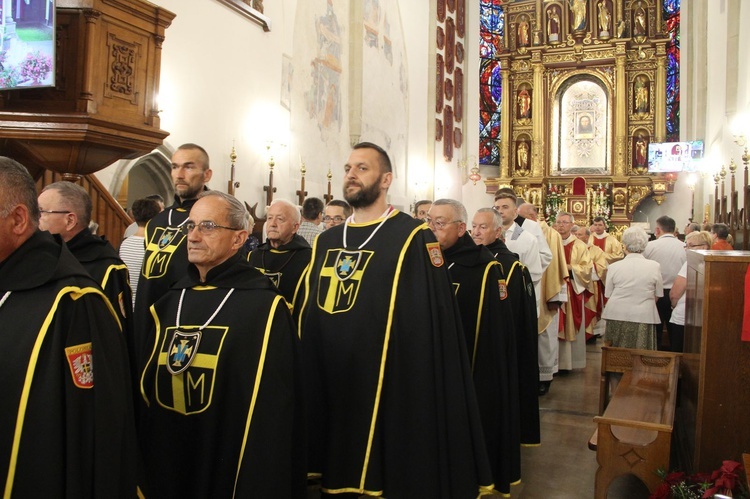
point(666, 157)
point(27, 53)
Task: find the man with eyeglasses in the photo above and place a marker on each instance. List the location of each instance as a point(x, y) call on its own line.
point(165, 259)
point(487, 230)
point(574, 320)
point(221, 412)
point(65, 209)
point(336, 213)
point(66, 406)
point(392, 410)
point(285, 255)
point(487, 318)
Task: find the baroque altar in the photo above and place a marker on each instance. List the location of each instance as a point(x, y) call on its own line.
point(583, 94)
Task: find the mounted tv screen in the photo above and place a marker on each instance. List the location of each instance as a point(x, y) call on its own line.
point(666, 157)
point(27, 54)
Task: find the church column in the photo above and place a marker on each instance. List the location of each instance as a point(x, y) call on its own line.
point(537, 116)
point(621, 112)
point(660, 118)
point(505, 141)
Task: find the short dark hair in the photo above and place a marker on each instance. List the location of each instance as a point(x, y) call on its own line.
point(420, 203)
point(600, 219)
point(666, 223)
point(144, 210)
point(189, 146)
point(75, 198)
point(504, 194)
point(385, 161)
point(721, 230)
point(342, 204)
point(311, 208)
point(19, 188)
point(156, 197)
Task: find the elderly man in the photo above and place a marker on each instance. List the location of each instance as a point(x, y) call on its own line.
point(392, 408)
point(573, 320)
point(65, 209)
point(165, 261)
point(487, 230)
point(601, 239)
point(67, 412)
point(486, 315)
point(312, 217)
point(285, 255)
point(221, 412)
point(336, 213)
point(670, 253)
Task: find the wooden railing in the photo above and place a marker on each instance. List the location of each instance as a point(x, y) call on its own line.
point(106, 211)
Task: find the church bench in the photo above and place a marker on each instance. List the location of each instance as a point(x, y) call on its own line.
point(634, 428)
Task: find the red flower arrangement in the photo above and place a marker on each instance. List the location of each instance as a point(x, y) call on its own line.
point(723, 481)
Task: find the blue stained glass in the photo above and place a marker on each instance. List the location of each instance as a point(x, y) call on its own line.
point(492, 27)
point(671, 11)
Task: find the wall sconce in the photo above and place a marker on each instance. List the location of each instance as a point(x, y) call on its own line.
point(474, 175)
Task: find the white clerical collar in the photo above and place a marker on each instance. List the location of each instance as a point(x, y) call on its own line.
point(603, 235)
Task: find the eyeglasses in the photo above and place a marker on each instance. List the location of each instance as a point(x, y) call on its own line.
point(62, 212)
point(336, 219)
point(439, 224)
point(205, 227)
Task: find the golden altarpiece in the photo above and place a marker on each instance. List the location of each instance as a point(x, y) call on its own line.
point(584, 93)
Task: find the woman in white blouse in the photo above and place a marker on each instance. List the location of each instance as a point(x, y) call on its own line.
point(633, 286)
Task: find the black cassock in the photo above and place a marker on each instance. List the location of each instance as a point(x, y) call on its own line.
point(487, 319)
point(285, 266)
point(221, 411)
point(392, 408)
point(66, 413)
point(523, 300)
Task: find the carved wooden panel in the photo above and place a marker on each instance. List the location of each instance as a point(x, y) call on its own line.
point(461, 18)
point(460, 53)
point(441, 10)
point(438, 130)
point(121, 69)
point(458, 137)
point(450, 45)
point(448, 89)
point(452, 6)
point(440, 73)
point(448, 133)
point(440, 38)
point(458, 91)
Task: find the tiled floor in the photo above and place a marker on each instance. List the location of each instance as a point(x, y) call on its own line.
point(563, 467)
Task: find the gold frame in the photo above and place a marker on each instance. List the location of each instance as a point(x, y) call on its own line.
point(247, 11)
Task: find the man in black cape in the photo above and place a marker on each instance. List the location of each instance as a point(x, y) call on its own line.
point(65, 209)
point(488, 325)
point(392, 408)
point(487, 226)
point(66, 413)
point(221, 412)
point(165, 260)
point(285, 255)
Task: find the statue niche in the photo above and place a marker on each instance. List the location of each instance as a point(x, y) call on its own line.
point(639, 151)
point(523, 31)
point(640, 22)
point(523, 103)
point(641, 95)
point(578, 15)
point(553, 24)
point(523, 155)
point(605, 19)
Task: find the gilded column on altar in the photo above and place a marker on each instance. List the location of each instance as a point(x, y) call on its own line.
point(537, 116)
point(660, 118)
point(621, 111)
point(505, 141)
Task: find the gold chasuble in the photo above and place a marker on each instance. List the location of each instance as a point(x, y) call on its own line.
point(609, 244)
point(553, 278)
point(577, 256)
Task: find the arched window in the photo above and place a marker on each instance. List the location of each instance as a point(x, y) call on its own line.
point(491, 31)
point(672, 28)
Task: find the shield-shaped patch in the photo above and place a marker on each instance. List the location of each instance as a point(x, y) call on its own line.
point(275, 277)
point(340, 278)
point(182, 349)
point(347, 263)
point(503, 288)
point(80, 361)
point(168, 236)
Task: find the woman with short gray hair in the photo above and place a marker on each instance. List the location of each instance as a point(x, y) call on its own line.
point(633, 286)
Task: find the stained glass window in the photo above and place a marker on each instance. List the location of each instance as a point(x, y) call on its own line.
point(491, 30)
point(672, 28)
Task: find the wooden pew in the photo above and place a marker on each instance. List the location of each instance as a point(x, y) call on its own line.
point(634, 429)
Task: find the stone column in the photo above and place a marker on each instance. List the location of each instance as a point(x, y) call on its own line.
point(537, 116)
point(620, 112)
point(660, 110)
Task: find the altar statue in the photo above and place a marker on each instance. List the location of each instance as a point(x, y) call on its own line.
point(604, 18)
point(578, 7)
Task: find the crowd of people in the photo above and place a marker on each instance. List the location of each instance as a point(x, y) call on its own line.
point(358, 348)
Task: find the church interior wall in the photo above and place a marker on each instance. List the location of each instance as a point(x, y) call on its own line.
point(227, 83)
